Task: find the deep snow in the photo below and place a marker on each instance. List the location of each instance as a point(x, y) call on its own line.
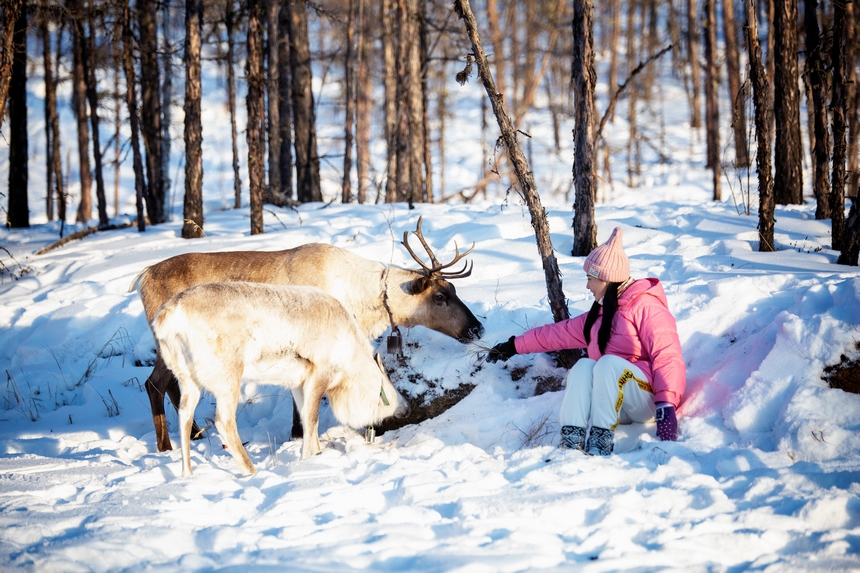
point(764, 476)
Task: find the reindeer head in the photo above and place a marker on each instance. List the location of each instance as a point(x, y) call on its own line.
point(442, 309)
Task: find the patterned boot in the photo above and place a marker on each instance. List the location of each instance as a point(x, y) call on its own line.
point(600, 442)
point(572, 438)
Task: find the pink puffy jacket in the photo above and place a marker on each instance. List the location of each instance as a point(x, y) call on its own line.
point(643, 332)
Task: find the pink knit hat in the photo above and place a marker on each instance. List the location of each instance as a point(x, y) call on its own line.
point(608, 261)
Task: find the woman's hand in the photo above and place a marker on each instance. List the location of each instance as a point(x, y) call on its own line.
point(502, 351)
point(667, 423)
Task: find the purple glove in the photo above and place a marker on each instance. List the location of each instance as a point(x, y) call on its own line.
point(667, 422)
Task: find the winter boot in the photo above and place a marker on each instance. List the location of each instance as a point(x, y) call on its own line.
point(600, 442)
point(572, 438)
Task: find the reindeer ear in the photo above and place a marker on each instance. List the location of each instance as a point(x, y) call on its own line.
point(421, 284)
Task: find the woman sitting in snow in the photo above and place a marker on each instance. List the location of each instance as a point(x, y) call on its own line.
point(634, 371)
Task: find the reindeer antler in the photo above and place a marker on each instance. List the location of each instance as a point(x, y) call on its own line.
point(437, 268)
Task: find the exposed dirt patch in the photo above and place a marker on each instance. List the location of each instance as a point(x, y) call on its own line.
point(845, 375)
point(548, 384)
point(421, 410)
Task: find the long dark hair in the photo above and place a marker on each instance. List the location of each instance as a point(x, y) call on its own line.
point(610, 306)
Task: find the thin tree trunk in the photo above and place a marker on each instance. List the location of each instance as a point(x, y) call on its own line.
point(150, 112)
point(557, 301)
point(79, 105)
point(818, 101)
point(304, 119)
point(131, 102)
point(852, 108)
point(633, 162)
point(60, 181)
point(426, 153)
point(274, 191)
point(363, 104)
point(348, 66)
point(117, 125)
point(390, 65)
point(613, 48)
point(166, 106)
point(693, 60)
point(761, 97)
point(712, 109)
point(254, 101)
point(497, 43)
point(50, 100)
point(839, 127)
point(788, 168)
point(404, 179)
point(192, 213)
point(229, 25)
point(584, 80)
point(18, 215)
point(285, 103)
point(13, 9)
point(88, 57)
point(733, 71)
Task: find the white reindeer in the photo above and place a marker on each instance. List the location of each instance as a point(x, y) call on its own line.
point(213, 336)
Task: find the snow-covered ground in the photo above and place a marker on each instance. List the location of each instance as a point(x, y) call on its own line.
point(764, 476)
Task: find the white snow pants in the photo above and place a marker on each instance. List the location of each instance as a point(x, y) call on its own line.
point(606, 392)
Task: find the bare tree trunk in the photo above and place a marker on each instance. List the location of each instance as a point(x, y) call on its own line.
point(79, 105)
point(426, 153)
point(390, 64)
point(61, 182)
point(761, 97)
point(633, 156)
point(416, 108)
point(192, 213)
point(285, 103)
point(150, 88)
point(348, 66)
point(497, 43)
point(18, 215)
point(88, 57)
point(131, 102)
point(256, 133)
point(584, 80)
point(363, 104)
point(613, 48)
point(693, 59)
point(404, 179)
point(12, 10)
point(817, 103)
point(733, 71)
point(50, 101)
point(851, 241)
point(852, 108)
point(166, 101)
point(304, 119)
point(837, 105)
point(117, 120)
point(524, 175)
point(274, 191)
point(712, 108)
point(229, 24)
point(788, 168)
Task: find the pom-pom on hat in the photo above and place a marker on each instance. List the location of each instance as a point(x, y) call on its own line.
point(608, 261)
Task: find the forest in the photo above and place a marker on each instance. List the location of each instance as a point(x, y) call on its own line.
point(785, 71)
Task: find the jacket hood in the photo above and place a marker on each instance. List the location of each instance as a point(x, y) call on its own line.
point(644, 287)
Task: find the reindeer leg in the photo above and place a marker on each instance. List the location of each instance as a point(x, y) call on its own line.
point(310, 420)
point(175, 394)
point(225, 421)
point(186, 419)
point(296, 431)
point(156, 385)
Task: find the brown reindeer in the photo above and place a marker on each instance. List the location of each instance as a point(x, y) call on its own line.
point(215, 336)
point(377, 295)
